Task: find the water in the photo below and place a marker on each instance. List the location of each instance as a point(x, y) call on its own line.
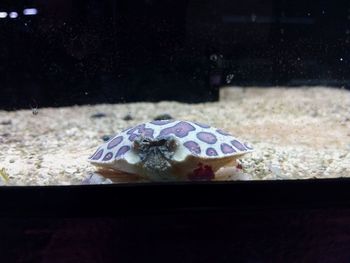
point(74, 75)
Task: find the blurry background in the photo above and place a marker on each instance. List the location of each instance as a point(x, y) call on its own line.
point(65, 52)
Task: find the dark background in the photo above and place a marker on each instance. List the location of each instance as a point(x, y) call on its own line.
point(93, 51)
point(237, 221)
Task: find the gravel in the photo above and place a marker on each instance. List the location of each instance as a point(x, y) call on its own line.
point(297, 133)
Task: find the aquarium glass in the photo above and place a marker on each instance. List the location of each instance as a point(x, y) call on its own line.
point(117, 91)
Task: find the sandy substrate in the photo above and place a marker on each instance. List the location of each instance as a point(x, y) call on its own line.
point(297, 134)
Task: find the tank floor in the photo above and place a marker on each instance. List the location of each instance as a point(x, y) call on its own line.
point(297, 133)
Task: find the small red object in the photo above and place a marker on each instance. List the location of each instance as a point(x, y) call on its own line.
point(203, 172)
point(239, 166)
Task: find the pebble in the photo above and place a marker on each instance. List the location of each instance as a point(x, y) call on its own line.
point(231, 173)
point(98, 115)
point(128, 117)
point(94, 178)
point(276, 170)
point(164, 116)
point(106, 138)
point(7, 122)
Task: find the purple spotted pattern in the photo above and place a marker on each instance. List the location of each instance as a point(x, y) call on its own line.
point(126, 129)
point(161, 122)
point(207, 137)
point(124, 149)
point(136, 128)
point(193, 147)
point(108, 156)
point(223, 132)
point(205, 145)
point(97, 155)
point(211, 152)
point(180, 130)
point(114, 142)
point(226, 149)
point(140, 130)
point(238, 145)
point(202, 125)
point(93, 154)
point(248, 146)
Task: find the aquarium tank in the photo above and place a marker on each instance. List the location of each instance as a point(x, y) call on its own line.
point(174, 131)
point(118, 92)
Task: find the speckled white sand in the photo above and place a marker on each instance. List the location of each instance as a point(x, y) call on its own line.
point(297, 133)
